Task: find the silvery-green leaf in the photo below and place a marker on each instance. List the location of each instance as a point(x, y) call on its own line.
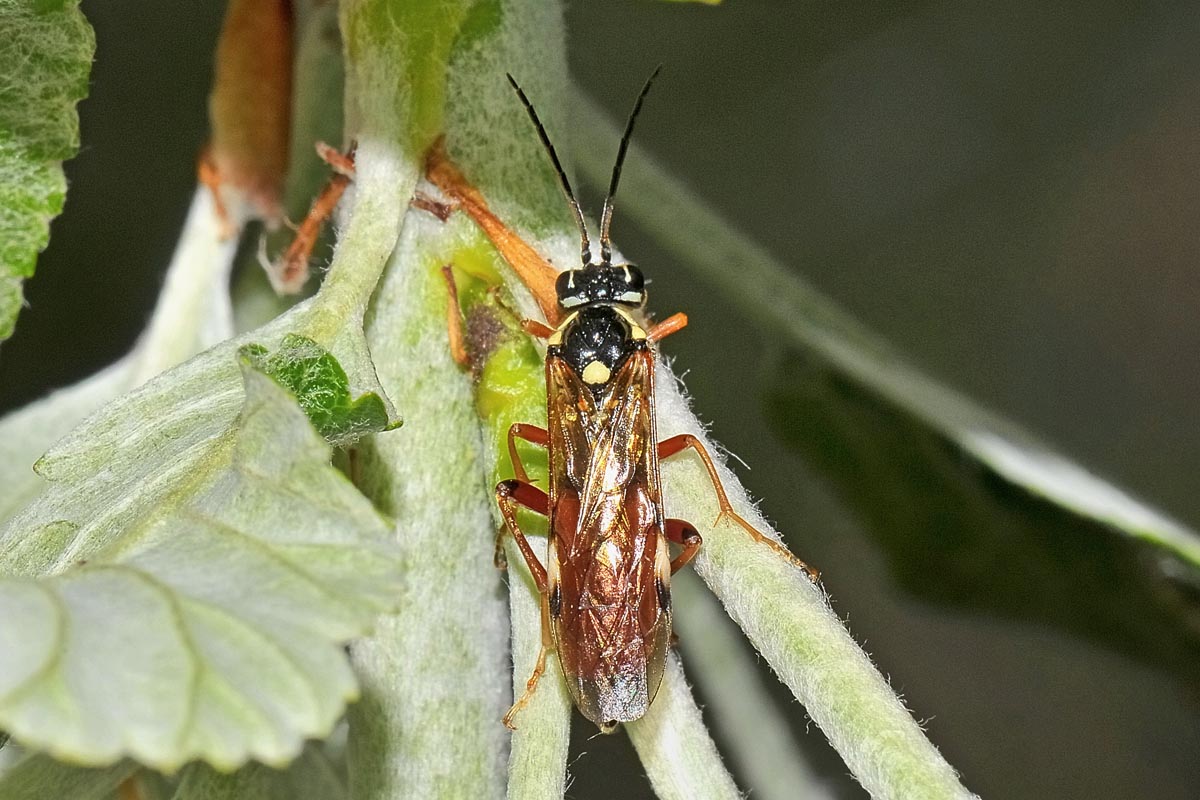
point(183, 587)
point(27, 432)
point(192, 314)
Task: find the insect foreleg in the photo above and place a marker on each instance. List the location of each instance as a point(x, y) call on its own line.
point(290, 272)
point(454, 320)
point(676, 445)
point(539, 329)
point(682, 533)
point(672, 324)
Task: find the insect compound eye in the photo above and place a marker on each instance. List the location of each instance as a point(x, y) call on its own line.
point(632, 288)
point(571, 289)
point(634, 281)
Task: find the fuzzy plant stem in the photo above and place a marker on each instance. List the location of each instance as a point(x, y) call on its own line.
point(788, 619)
point(759, 739)
point(432, 675)
point(680, 757)
point(429, 721)
point(536, 766)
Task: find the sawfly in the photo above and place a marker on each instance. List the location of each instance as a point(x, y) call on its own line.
point(605, 586)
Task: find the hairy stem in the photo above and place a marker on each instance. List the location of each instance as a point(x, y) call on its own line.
point(760, 741)
point(787, 618)
point(679, 755)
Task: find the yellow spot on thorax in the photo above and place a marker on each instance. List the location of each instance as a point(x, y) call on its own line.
point(596, 373)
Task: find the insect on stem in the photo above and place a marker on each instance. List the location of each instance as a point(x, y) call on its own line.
point(605, 588)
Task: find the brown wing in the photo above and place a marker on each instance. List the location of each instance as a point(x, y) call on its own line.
point(608, 557)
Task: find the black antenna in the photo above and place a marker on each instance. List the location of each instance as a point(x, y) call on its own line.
point(585, 247)
point(606, 215)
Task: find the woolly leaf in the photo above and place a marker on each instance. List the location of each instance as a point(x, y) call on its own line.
point(320, 385)
point(182, 588)
point(45, 57)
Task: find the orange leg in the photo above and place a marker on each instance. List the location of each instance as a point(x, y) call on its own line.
point(454, 320)
point(682, 533)
point(508, 494)
point(539, 669)
point(530, 433)
point(513, 493)
point(533, 270)
point(289, 273)
point(539, 329)
point(677, 444)
point(672, 324)
point(342, 163)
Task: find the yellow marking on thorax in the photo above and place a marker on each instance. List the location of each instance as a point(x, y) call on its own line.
point(557, 337)
point(637, 332)
point(596, 373)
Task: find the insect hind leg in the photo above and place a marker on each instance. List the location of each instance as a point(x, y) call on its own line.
point(677, 444)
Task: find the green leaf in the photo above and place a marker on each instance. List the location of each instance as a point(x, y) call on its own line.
point(196, 546)
point(320, 385)
point(183, 587)
point(45, 57)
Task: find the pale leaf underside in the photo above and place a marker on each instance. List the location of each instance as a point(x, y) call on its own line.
point(198, 584)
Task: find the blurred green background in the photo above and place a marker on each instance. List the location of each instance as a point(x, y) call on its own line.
point(1008, 192)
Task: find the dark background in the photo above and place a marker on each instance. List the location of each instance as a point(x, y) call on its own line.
point(1008, 192)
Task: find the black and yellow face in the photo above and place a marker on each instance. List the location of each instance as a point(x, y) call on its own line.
point(619, 284)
